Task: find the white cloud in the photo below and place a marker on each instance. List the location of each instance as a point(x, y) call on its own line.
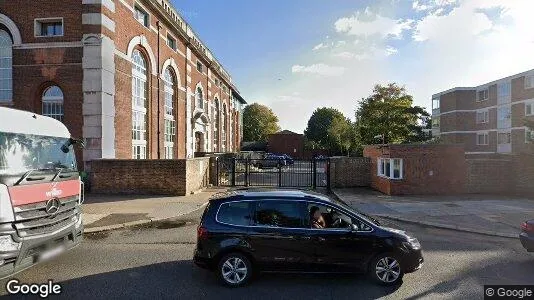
point(367, 23)
point(391, 50)
point(319, 69)
point(420, 7)
point(460, 21)
point(320, 46)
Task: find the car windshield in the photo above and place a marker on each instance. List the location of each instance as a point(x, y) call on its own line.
point(20, 153)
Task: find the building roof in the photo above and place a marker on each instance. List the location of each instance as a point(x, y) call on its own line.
point(485, 84)
point(287, 132)
point(24, 122)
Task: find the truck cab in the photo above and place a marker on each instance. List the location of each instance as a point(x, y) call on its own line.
point(40, 190)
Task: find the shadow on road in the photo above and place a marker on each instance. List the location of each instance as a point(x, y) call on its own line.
point(183, 280)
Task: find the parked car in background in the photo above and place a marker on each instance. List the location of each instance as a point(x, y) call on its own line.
point(271, 161)
point(245, 231)
point(527, 235)
point(321, 157)
point(289, 160)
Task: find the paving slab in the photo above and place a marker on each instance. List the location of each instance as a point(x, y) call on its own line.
point(485, 214)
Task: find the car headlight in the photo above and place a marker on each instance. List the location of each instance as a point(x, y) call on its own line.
point(412, 243)
point(8, 244)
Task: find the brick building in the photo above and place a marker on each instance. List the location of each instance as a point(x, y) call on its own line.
point(128, 76)
point(286, 142)
point(417, 169)
point(489, 118)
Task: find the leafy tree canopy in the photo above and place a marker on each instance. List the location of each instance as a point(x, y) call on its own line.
point(258, 122)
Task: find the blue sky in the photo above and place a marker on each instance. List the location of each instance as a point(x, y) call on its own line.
point(298, 55)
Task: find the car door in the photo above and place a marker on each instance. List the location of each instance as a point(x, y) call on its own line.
point(342, 249)
point(278, 238)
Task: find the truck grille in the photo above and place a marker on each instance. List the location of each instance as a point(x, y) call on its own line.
point(32, 219)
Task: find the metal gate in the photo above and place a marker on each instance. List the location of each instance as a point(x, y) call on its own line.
point(273, 173)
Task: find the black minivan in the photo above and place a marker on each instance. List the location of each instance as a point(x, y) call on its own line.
point(257, 230)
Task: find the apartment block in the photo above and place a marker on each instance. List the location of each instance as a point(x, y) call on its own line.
point(130, 77)
point(489, 118)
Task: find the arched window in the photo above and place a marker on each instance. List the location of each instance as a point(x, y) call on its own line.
point(139, 105)
point(216, 125)
point(200, 98)
point(170, 119)
point(6, 67)
point(225, 123)
point(53, 103)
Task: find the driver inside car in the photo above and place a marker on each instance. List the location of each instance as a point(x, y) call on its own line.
point(316, 218)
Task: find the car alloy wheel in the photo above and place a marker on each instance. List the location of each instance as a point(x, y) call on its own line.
point(234, 269)
point(387, 270)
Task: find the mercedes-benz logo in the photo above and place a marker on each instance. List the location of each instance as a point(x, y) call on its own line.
point(52, 206)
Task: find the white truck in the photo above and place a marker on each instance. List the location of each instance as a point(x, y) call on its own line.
point(40, 190)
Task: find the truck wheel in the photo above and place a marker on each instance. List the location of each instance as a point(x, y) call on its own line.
point(234, 270)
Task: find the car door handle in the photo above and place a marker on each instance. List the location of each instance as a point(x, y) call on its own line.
point(306, 237)
point(321, 239)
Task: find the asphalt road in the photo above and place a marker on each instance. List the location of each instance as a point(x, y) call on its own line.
point(156, 263)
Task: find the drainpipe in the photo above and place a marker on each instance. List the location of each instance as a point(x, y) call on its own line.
point(159, 109)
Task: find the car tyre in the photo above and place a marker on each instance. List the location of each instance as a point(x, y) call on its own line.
point(385, 269)
point(234, 270)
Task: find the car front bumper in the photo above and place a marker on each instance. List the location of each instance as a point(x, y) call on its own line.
point(527, 241)
point(412, 261)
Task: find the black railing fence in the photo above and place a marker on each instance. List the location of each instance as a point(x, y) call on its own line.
point(273, 172)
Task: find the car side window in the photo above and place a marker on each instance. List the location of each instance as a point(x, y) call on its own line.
point(325, 217)
point(234, 213)
point(286, 214)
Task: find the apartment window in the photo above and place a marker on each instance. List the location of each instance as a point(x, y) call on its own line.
point(141, 16)
point(435, 122)
point(6, 67)
point(482, 116)
point(170, 120)
point(49, 27)
point(200, 67)
point(482, 95)
point(504, 91)
point(391, 168)
point(53, 103)
point(435, 103)
point(171, 42)
point(482, 139)
point(224, 127)
point(504, 138)
point(529, 135)
point(217, 82)
point(529, 81)
point(529, 108)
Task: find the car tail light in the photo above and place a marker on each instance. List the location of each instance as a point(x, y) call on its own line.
point(527, 227)
point(202, 233)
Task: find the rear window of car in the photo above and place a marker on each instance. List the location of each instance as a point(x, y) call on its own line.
point(234, 213)
point(287, 214)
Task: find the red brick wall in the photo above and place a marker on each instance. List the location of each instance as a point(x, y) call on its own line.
point(486, 175)
point(177, 177)
point(350, 172)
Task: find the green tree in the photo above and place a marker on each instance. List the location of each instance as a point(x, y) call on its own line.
point(342, 134)
point(388, 116)
point(258, 122)
point(329, 129)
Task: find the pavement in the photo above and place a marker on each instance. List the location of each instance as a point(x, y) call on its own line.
point(106, 212)
point(484, 214)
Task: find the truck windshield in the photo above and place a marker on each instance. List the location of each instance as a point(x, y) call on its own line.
point(20, 153)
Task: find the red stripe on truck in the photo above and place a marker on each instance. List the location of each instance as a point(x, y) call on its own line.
point(33, 193)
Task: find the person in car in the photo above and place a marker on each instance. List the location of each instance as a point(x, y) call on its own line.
point(316, 218)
